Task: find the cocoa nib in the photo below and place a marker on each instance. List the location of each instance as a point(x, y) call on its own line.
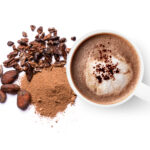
point(12, 54)
point(9, 77)
point(32, 27)
point(62, 40)
point(40, 30)
point(68, 50)
point(29, 72)
point(23, 99)
point(59, 64)
point(23, 41)
point(11, 62)
point(2, 97)
point(10, 88)
point(53, 31)
point(10, 43)
point(73, 38)
point(24, 34)
point(36, 57)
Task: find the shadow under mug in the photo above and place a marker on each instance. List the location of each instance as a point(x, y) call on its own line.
point(141, 90)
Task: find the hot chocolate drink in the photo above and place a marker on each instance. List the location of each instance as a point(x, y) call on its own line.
point(105, 68)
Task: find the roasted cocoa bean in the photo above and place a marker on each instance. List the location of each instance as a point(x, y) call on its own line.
point(2, 97)
point(9, 77)
point(10, 88)
point(23, 99)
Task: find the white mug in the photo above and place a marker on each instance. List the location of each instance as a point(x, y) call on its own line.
point(142, 90)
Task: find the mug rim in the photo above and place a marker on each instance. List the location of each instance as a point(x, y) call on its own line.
point(72, 52)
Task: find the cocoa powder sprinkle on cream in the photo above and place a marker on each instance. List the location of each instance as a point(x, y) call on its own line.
point(105, 72)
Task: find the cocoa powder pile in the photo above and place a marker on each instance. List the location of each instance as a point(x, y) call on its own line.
point(50, 91)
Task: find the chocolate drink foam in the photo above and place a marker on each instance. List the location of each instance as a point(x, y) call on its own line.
point(105, 68)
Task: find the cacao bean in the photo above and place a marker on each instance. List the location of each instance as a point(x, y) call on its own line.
point(1, 70)
point(23, 99)
point(9, 77)
point(2, 97)
point(29, 72)
point(10, 88)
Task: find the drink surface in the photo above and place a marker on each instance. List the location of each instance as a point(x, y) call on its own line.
point(105, 68)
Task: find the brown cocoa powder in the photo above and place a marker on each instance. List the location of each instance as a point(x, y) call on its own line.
point(50, 91)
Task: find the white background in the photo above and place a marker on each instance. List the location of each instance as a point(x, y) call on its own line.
point(83, 126)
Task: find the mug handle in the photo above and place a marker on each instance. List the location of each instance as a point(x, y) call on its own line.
point(143, 91)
